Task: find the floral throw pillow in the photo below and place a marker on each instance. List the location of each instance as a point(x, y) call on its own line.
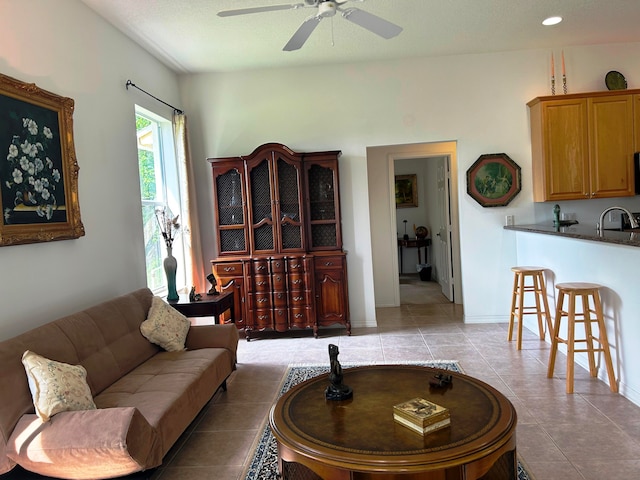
point(55, 386)
point(165, 326)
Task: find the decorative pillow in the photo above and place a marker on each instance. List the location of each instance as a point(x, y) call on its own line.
point(165, 326)
point(55, 386)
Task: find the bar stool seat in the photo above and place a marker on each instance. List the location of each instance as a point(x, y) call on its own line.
point(519, 309)
point(588, 294)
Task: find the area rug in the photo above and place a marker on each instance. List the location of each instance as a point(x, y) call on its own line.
point(264, 464)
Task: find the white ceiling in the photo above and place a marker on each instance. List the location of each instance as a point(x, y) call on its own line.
point(189, 37)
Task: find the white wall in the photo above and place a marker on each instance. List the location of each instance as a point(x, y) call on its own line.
point(65, 48)
point(479, 101)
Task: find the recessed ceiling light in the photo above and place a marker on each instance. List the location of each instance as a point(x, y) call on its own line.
point(551, 21)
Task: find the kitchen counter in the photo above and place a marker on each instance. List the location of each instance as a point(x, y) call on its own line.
point(582, 232)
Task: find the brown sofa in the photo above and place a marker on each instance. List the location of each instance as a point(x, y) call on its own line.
point(146, 397)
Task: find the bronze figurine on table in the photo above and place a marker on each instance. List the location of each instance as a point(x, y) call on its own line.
point(336, 390)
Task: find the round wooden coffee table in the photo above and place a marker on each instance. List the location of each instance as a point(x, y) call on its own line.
point(359, 439)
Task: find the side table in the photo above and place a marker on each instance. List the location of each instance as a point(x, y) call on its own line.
point(207, 306)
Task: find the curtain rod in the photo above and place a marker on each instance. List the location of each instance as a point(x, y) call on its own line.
point(177, 110)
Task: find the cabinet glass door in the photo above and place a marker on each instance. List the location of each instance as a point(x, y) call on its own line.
point(261, 208)
point(230, 212)
point(322, 207)
point(288, 208)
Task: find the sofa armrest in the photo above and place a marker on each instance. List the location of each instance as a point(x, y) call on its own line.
point(213, 336)
point(87, 444)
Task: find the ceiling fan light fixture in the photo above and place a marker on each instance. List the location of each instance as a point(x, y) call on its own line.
point(547, 22)
point(327, 9)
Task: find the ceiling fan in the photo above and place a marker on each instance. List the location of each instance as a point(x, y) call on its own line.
point(325, 9)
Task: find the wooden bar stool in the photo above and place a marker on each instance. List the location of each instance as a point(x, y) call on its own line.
point(585, 291)
point(519, 309)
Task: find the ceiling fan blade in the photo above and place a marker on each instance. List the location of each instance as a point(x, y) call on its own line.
point(302, 34)
point(372, 22)
point(269, 8)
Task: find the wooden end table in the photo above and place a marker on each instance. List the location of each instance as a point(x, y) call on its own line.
point(358, 439)
point(208, 306)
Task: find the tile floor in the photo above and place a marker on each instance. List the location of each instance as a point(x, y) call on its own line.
point(590, 435)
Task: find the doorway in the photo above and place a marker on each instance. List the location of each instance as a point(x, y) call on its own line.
point(382, 208)
point(425, 274)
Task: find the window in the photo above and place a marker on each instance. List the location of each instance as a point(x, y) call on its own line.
point(159, 188)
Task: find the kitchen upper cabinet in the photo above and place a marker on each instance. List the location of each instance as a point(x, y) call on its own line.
point(582, 146)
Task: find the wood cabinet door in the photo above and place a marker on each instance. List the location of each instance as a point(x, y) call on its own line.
point(331, 290)
point(611, 133)
point(561, 161)
point(289, 214)
point(262, 231)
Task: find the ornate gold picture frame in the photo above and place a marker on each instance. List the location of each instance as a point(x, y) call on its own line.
point(38, 165)
point(406, 191)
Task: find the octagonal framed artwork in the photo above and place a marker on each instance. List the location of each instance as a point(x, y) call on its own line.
point(494, 180)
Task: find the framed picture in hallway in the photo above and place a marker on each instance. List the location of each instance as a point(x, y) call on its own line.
point(406, 191)
point(38, 166)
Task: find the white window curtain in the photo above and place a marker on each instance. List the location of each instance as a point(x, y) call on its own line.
point(191, 228)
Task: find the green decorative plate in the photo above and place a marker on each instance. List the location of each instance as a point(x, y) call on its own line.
point(615, 81)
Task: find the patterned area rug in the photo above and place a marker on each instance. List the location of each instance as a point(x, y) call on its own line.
point(264, 464)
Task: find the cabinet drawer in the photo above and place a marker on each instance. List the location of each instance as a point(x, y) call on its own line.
point(260, 267)
point(296, 281)
point(329, 262)
point(278, 280)
point(277, 265)
point(263, 319)
point(231, 269)
point(279, 299)
point(259, 300)
point(298, 299)
point(300, 317)
point(295, 264)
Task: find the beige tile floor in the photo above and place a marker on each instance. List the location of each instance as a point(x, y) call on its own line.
point(590, 435)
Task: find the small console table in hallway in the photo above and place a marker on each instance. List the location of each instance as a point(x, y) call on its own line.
point(414, 243)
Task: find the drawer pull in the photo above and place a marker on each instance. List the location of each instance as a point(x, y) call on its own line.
point(260, 267)
point(262, 300)
point(263, 317)
point(295, 265)
point(299, 315)
point(328, 264)
point(278, 278)
point(279, 295)
point(298, 299)
point(261, 282)
point(277, 264)
point(229, 269)
point(297, 282)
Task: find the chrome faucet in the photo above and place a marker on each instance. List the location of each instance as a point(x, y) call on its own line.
point(632, 220)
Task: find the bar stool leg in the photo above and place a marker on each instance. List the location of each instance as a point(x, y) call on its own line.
point(537, 292)
point(586, 308)
point(520, 309)
point(543, 292)
point(571, 326)
point(514, 294)
point(555, 335)
point(604, 343)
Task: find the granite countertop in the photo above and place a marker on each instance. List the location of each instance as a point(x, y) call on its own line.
point(583, 232)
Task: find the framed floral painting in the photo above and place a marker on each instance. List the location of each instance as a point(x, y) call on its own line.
point(38, 166)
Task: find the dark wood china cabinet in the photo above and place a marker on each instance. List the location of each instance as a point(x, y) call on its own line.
point(279, 239)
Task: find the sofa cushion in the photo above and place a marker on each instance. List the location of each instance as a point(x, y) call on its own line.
point(170, 388)
point(103, 443)
point(165, 326)
point(55, 386)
